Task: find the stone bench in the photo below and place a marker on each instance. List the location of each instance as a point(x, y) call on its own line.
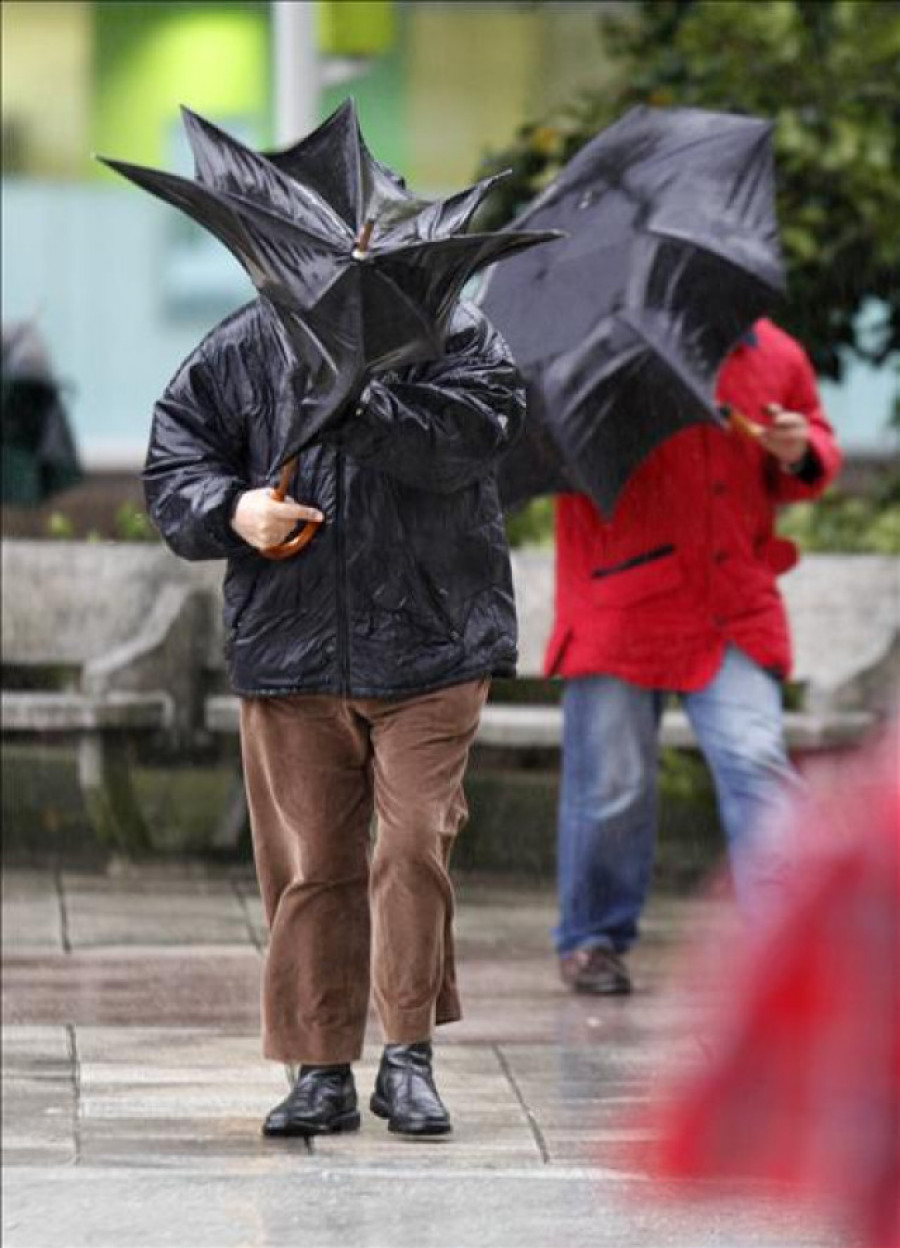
point(117, 627)
point(844, 612)
point(135, 635)
point(845, 618)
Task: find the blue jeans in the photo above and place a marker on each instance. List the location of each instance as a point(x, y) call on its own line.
point(608, 798)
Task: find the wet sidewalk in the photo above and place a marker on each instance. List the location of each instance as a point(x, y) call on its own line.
point(134, 1088)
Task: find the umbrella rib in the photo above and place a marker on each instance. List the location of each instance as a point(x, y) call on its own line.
point(589, 175)
point(775, 283)
point(251, 208)
point(682, 376)
point(201, 132)
point(746, 184)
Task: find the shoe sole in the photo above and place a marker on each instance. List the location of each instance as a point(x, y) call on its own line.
point(345, 1122)
point(380, 1109)
point(620, 989)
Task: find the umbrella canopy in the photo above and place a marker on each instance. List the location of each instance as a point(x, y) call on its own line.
point(672, 253)
point(362, 274)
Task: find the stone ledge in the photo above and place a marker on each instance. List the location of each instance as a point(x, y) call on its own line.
point(24, 711)
point(540, 727)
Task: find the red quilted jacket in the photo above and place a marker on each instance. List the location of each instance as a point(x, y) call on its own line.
point(688, 563)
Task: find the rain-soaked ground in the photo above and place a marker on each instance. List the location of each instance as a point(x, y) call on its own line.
point(133, 1088)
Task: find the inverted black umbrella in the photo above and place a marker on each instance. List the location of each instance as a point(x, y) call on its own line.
point(672, 253)
point(362, 273)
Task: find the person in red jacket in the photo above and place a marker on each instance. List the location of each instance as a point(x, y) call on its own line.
point(677, 593)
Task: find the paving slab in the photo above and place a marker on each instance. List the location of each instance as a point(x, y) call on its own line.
point(491, 1127)
point(135, 1088)
point(32, 917)
point(178, 985)
point(39, 1096)
point(127, 911)
point(326, 1207)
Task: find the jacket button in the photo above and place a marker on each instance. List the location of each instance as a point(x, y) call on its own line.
point(719, 488)
point(718, 620)
point(720, 556)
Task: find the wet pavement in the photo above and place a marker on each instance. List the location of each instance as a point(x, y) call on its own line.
point(134, 1088)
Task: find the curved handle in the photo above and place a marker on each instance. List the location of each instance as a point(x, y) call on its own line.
point(293, 545)
point(743, 424)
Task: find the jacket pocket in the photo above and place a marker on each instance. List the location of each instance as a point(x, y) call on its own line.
point(237, 593)
point(649, 575)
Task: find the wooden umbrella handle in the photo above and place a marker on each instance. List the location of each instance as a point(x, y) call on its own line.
point(743, 424)
point(285, 550)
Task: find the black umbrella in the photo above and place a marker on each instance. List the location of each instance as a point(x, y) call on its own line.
point(363, 274)
point(672, 253)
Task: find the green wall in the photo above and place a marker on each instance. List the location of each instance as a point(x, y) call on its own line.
point(149, 58)
point(152, 57)
point(381, 95)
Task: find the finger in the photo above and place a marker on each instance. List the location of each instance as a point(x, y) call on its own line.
point(783, 438)
point(296, 511)
point(789, 420)
point(301, 512)
point(275, 534)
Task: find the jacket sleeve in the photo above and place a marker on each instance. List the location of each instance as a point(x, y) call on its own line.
point(823, 458)
point(442, 424)
point(193, 473)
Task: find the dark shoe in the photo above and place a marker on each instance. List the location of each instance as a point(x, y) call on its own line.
point(321, 1102)
point(405, 1093)
point(601, 972)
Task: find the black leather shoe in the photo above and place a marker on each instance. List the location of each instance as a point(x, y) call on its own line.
point(321, 1102)
point(405, 1093)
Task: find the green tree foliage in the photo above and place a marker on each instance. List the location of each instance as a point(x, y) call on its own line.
point(843, 523)
point(826, 72)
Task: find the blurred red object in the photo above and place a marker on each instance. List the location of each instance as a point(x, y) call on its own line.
point(802, 1088)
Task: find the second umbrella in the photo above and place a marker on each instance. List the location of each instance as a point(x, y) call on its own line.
point(672, 253)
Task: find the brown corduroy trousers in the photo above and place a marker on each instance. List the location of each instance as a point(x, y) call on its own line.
point(345, 918)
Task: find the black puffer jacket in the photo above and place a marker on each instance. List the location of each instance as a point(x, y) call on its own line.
point(407, 585)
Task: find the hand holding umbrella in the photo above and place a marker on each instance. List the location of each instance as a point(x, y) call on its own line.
point(265, 521)
point(785, 436)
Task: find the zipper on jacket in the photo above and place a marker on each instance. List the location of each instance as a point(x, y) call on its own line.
point(340, 581)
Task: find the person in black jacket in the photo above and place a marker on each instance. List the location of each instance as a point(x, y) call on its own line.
point(362, 664)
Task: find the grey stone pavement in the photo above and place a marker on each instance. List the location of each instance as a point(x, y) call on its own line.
point(133, 1087)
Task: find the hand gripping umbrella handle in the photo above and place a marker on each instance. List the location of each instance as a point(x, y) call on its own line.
point(285, 550)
